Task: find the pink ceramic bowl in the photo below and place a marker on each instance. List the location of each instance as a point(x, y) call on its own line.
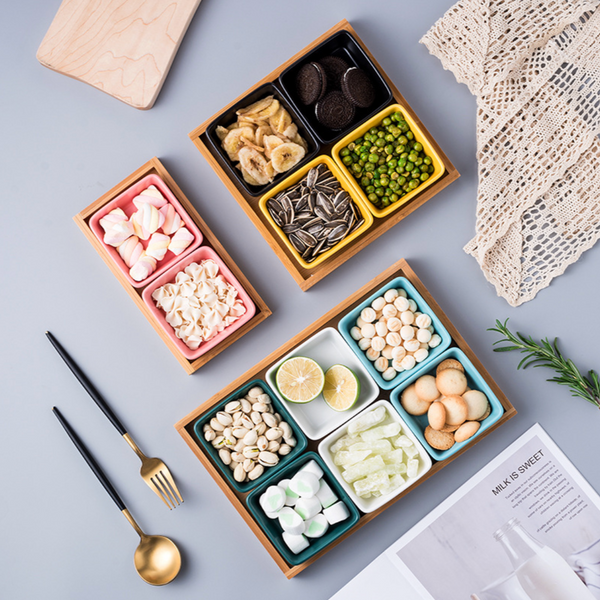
point(199, 255)
point(124, 202)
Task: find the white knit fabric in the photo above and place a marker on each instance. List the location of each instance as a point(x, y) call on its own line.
point(534, 66)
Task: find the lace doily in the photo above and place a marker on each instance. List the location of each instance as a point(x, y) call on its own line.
point(534, 67)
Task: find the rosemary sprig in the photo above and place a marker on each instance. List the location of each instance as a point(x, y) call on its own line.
point(546, 354)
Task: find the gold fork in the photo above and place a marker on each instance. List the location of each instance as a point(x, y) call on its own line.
point(153, 471)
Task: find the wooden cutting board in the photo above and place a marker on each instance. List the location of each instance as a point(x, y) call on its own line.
point(122, 47)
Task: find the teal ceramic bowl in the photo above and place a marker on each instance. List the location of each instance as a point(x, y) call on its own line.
point(301, 441)
point(271, 526)
point(349, 321)
point(474, 380)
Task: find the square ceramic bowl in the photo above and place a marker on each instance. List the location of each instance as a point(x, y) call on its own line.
point(327, 348)
point(348, 321)
point(229, 116)
point(474, 380)
point(124, 202)
point(346, 185)
point(201, 254)
point(368, 505)
point(343, 45)
point(246, 486)
point(438, 165)
point(271, 526)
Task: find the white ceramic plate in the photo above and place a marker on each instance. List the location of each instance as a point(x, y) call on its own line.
point(327, 348)
point(368, 505)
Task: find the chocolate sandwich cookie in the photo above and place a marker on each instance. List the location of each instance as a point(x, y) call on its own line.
point(334, 111)
point(311, 83)
point(357, 87)
point(334, 68)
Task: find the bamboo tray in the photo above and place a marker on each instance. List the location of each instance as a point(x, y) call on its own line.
point(306, 278)
point(331, 319)
point(156, 167)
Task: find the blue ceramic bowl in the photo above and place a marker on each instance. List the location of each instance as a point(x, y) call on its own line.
point(349, 321)
point(271, 526)
point(474, 380)
point(214, 453)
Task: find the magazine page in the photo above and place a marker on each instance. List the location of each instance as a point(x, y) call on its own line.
point(526, 527)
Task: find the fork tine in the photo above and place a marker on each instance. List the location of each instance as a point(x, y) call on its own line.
point(166, 485)
point(160, 491)
point(169, 478)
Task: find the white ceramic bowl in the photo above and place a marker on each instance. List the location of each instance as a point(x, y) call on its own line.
point(327, 348)
point(368, 505)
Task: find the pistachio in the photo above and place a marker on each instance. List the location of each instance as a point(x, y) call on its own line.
point(256, 417)
point(237, 421)
point(251, 452)
point(240, 432)
point(228, 432)
point(260, 407)
point(278, 417)
point(260, 428)
point(256, 472)
point(273, 446)
point(209, 435)
point(233, 464)
point(224, 418)
point(274, 433)
point(262, 443)
point(237, 415)
point(216, 425)
point(248, 465)
point(246, 406)
point(264, 398)
point(233, 406)
point(285, 449)
point(239, 446)
point(238, 457)
point(250, 438)
point(255, 392)
point(291, 441)
point(269, 419)
point(239, 474)
point(219, 441)
point(225, 456)
point(206, 427)
point(246, 422)
point(286, 429)
point(268, 459)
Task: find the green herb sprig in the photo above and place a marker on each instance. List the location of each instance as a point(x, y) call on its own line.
point(546, 354)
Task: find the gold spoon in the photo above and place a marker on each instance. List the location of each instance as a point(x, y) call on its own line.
point(156, 559)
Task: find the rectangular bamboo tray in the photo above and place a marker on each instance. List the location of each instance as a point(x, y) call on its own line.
point(156, 167)
point(331, 319)
point(306, 278)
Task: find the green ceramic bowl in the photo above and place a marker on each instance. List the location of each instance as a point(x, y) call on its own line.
point(301, 441)
point(271, 526)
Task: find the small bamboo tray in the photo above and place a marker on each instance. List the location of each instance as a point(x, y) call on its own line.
point(156, 167)
point(306, 278)
point(331, 319)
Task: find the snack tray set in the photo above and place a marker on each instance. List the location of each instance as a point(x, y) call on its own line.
point(323, 146)
point(316, 426)
point(205, 246)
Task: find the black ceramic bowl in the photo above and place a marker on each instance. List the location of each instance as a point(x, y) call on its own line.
point(228, 117)
point(340, 44)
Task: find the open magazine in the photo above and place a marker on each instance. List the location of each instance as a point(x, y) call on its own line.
point(526, 527)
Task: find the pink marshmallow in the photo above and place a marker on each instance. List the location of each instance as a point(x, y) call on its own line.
point(113, 217)
point(172, 219)
point(157, 246)
point(143, 268)
point(131, 250)
point(180, 241)
point(150, 195)
point(118, 233)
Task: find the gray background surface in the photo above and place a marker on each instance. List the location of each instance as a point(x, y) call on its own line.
point(63, 145)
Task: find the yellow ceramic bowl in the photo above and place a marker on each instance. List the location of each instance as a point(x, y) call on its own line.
point(344, 182)
point(438, 165)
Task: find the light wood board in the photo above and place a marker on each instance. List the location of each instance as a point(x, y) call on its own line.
point(122, 47)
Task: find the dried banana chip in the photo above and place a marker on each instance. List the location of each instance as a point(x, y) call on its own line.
point(255, 164)
point(280, 121)
point(260, 133)
point(270, 142)
point(221, 132)
point(285, 156)
point(232, 143)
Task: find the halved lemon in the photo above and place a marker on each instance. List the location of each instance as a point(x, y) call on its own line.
point(342, 387)
point(300, 379)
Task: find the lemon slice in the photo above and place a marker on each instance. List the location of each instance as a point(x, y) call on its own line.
point(300, 379)
point(342, 388)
